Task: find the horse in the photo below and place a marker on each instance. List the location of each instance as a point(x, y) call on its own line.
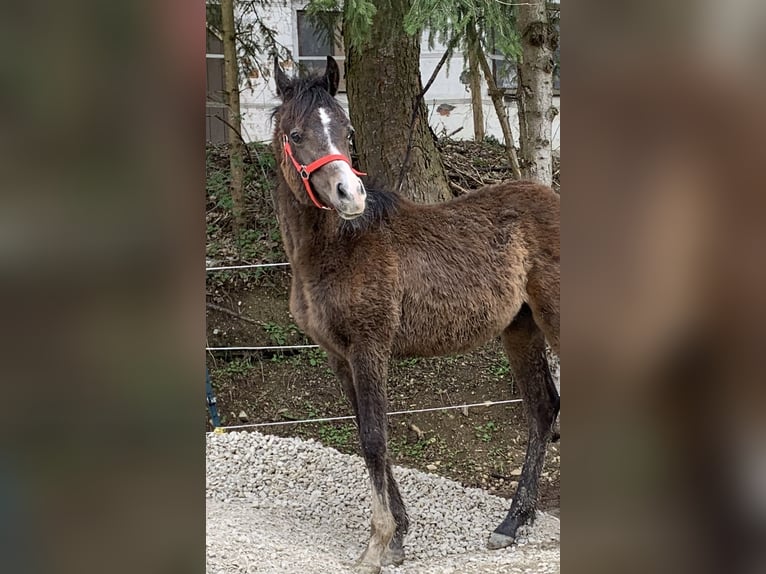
point(376, 276)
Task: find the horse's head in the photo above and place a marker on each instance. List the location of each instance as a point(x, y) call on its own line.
point(313, 133)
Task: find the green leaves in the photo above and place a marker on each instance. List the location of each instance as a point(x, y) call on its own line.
point(445, 19)
point(357, 17)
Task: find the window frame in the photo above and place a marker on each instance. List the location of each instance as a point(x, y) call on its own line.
point(216, 109)
point(298, 58)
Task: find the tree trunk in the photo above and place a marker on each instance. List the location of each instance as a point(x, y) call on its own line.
point(475, 85)
point(383, 83)
point(535, 81)
point(231, 88)
point(496, 95)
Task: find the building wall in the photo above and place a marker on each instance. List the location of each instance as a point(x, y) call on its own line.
point(446, 91)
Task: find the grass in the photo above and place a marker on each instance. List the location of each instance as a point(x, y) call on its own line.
point(486, 432)
point(312, 412)
point(337, 435)
point(279, 334)
point(501, 369)
point(234, 368)
point(315, 357)
point(414, 450)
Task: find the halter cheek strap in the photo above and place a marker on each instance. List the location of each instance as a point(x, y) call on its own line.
point(305, 171)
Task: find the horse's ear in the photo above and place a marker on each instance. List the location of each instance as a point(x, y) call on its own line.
point(283, 82)
point(332, 75)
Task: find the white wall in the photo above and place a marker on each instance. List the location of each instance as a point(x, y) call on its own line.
point(258, 102)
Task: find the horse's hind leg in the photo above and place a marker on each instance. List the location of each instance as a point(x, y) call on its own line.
point(543, 289)
point(395, 552)
point(342, 370)
point(525, 345)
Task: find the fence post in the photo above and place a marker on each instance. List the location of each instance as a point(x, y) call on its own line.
point(211, 402)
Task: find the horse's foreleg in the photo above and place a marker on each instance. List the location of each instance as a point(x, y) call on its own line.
point(395, 551)
point(525, 345)
point(369, 374)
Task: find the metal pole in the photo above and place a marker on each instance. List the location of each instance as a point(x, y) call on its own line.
point(211, 402)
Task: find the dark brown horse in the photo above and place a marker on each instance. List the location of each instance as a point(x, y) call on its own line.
point(377, 276)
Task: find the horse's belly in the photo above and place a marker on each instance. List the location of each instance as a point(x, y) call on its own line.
point(434, 334)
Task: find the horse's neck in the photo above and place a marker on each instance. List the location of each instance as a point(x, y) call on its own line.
point(305, 228)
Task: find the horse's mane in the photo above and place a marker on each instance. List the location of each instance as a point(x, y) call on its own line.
point(380, 206)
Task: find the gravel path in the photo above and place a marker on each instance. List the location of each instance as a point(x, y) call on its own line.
point(283, 505)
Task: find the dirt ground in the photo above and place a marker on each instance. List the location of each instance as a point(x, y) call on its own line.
point(479, 447)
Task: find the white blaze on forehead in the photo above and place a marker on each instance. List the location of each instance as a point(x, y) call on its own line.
point(340, 175)
point(324, 116)
point(351, 181)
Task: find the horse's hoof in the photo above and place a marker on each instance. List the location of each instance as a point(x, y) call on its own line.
point(393, 557)
point(556, 431)
point(497, 541)
point(366, 569)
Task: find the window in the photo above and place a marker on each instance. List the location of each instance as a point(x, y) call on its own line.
point(315, 43)
point(216, 112)
point(504, 72)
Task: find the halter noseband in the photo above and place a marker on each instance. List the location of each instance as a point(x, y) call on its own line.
point(305, 171)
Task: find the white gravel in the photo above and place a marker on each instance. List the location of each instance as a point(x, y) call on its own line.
point(284, 505)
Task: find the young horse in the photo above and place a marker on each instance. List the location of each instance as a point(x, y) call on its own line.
point(376, 276)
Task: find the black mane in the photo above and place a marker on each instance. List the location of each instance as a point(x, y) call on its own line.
point(379, 208)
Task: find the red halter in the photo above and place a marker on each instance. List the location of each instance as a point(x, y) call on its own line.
point(305, 171)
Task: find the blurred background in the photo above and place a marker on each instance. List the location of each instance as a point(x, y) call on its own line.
point(101, 283)
point(663, 279)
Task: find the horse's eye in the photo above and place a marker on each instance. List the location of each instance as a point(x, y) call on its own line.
point(295, 135)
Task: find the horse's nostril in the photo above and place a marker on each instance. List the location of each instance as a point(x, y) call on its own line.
point(342, 193)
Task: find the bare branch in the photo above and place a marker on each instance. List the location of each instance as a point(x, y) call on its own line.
point(227, 311)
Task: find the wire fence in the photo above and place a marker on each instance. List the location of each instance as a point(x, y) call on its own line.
point(267, 348)
point(349, 417)
point(248, 266)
